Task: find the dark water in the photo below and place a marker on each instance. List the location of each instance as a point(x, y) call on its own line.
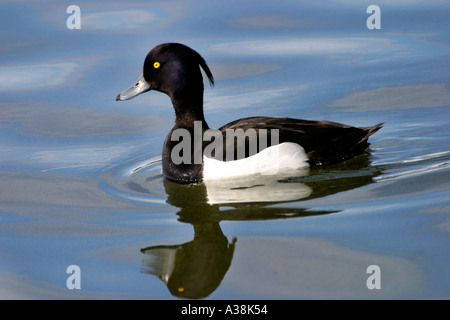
point(81, 179)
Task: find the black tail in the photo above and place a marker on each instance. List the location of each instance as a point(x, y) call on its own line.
point(371, 130)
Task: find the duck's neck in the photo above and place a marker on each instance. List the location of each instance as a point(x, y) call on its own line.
point(188, 106)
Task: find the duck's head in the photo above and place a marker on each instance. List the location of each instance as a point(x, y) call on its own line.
point(173, 69)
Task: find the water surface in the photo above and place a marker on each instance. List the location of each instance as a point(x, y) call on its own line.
point(81, 179)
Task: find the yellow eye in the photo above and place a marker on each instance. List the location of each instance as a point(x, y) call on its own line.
point(156, 65)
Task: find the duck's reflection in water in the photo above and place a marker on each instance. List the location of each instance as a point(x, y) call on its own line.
point(196, 268)
point(193, 269)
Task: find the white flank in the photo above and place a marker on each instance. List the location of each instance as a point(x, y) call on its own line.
point(275, 160)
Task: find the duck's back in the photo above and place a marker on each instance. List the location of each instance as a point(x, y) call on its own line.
point(324, 142)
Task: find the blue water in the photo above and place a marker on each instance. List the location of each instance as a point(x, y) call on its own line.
point(81, 179)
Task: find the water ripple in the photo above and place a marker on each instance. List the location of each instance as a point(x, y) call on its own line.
point(414, 166)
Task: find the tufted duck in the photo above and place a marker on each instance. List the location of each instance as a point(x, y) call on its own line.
point(174, 69)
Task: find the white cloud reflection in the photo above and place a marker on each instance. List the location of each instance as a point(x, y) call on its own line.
point(394, 98)
point(35, 76)
point(274, 21)
point(74, 122)
point(407, 3)
point(224, 101)
point(118, 20)
point(323, 270)
point(306, 46)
